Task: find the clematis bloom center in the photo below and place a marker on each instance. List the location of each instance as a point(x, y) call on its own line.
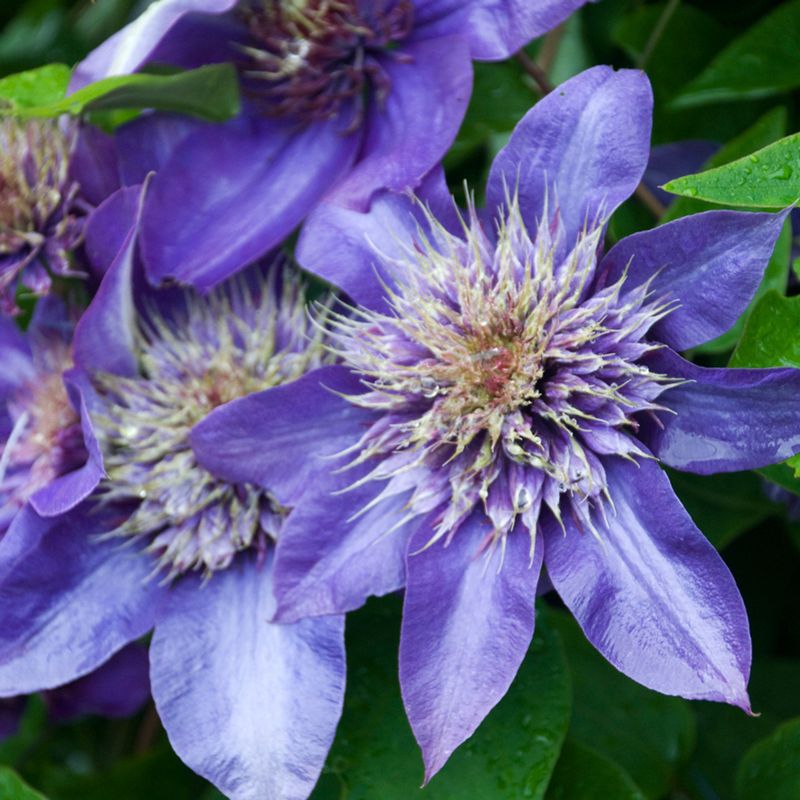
point(310, 57)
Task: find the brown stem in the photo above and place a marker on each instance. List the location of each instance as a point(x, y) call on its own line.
point(536, 72)
point(148, 730)
point(649, 201)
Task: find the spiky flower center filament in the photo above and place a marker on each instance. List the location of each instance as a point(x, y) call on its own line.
point(238, 340)
point(502, 373)
point(308, 58)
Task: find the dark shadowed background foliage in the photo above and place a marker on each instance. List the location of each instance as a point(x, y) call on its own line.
point(571, 728)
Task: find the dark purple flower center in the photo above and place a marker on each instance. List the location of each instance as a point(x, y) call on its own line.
point(237, 340)
point(501, 376)
point(46, 438)
point(310, 58)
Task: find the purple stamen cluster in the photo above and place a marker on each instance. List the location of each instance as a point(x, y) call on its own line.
point(41, 217)
point(310, 57)
point(500, 379)
point(240, 339)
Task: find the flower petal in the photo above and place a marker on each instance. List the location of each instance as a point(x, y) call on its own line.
point(108, 227)
point(495, 28)
point(127, 50)
point(118, 688)
point(710, 263)
point(467, 624)
point(430, 86)
point(16, 366)
point(94, 164)
point(249, 705)
point(725, 420)
point(652, 595)
point(280, 438)
point(327, 562)
point(585, 146)
point(69, 601)
point(342, 245)
point(269, 175)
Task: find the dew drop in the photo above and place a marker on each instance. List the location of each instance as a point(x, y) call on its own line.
point(429, 387)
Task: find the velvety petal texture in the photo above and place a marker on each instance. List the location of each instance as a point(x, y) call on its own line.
point(581, 149)
point(69, 601)
point(467, 624)
point(266, 176)
point(650, 592)
point(726, 420)
point(728, 250)
point(250, 705)
point(281, 437)
point(495, 28)
point(130, 48)
point(366, 556)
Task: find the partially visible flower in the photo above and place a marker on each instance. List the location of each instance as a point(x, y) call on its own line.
point(166, 545)
point(341, 96)
point(42, 448)
point(506, 395)
point(118, 688)
point(40, 210)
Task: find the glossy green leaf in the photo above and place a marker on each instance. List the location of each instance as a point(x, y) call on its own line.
point(768, 178)
point(512, 754)
point(12, 787)
point(648, 734)
point(723, 506)
point(761, 62)
point(584, 774)
point(34, 87)
point(210, 92)
point(772, 767)
point(770, 337)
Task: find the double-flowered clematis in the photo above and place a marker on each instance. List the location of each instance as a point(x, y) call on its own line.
point(52, 173)
point(508, 392)
point(164, 545)
point(356, 94)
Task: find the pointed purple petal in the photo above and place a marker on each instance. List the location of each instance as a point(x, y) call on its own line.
point(430, 82)
point(249, 705)
point(94, 165)
point(725, 420)
point(467, 624)
point(267, 176)
point(341, 245)
point(327, 562)
point(127, 50)
point(710, 263)
point(108, 227)
point(69, 601)
point(104, 337)
point(584, 147)
point(281, 437)
point(652, 595)
point(16, 366)
point(495, 29)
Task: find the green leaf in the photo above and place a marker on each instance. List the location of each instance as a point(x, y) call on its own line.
point(761, 62)
point(12, 787)
point(723, 506)
point(584, 774)
point(210, 92)
point(35, 87)
point(512, 754)
point(766, 130)
point(772, 767)
point(647, 734)
point(770, 337)
point(768, 178)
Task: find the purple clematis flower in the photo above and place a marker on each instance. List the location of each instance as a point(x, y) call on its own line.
point(52, 173)
point(357, 94)
point(163, 545)
point(507, 391)
point(49, 457)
